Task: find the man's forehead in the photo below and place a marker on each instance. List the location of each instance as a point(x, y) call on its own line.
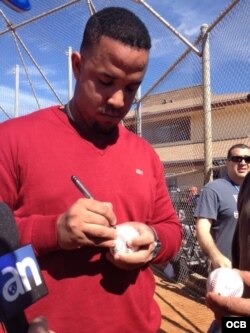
point(245, 151)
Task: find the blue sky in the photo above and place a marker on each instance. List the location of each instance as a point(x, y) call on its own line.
point(47, 40)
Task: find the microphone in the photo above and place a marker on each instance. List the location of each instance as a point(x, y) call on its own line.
point(21, 282)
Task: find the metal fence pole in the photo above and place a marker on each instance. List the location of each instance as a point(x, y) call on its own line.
point(70, 87)
point(17, 90)
point(138, 113)
point(208, 152)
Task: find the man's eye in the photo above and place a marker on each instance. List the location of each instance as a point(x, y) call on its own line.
point(105, 83)
point(131, 89)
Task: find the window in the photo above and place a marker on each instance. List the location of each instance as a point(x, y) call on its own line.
point(171, 130)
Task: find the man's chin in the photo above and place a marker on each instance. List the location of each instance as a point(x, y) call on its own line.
point(242, 174)
point(104, 129)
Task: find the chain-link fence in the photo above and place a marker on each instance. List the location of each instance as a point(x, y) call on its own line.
point(195, 105)
point(193, 124)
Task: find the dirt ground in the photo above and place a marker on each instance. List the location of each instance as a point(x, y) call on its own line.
point(182, 311)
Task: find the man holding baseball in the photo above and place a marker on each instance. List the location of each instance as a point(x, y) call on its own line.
point(90, 288)
point(235, 306)
point(216, 211)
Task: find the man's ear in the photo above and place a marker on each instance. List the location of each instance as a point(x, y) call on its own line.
point(76, 64)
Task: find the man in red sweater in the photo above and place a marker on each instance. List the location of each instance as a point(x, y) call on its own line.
point(91, 289)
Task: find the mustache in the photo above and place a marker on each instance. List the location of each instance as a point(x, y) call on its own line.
point(111, 111)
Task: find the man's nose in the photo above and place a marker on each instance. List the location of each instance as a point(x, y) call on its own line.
point(117, 99)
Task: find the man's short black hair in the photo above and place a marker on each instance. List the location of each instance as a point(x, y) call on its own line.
point(238, 145)
point(119, 24)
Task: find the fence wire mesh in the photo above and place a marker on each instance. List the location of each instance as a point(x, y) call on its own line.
point(172, 120)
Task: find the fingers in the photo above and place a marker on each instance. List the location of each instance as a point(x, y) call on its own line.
point(109, 213)
point(94, 212)
point(144, 243)
point(122, 263)
point(238, 306)
point(39, 325)
point(87, 222)
point(223, 306)
point(97, 235)
point(245, 275)
point(221, 261)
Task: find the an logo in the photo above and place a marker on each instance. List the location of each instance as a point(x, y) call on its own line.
point(20, 280)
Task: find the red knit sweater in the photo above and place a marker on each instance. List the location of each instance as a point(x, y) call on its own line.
point(38, 154)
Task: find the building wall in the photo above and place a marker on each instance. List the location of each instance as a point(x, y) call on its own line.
point(184, 159)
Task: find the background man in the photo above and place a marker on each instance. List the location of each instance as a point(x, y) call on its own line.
point(235, 306)
point(216, 211)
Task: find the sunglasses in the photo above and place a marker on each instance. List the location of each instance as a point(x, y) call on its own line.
point(239, 159)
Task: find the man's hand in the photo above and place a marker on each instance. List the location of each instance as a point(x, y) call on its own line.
point(145, 244)
point(207, 244)
point(39, 325)
point(225, 306)
point(87, 223)
point(219, 260)
point(235, 306)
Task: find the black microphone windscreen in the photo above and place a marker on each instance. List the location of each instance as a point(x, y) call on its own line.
point(9, 237)
point(9, 241)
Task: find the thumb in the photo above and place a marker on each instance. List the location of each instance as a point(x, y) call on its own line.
point(39, 325)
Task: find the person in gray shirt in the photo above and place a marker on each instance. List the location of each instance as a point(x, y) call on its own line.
point(216, 211)
point(229, 305)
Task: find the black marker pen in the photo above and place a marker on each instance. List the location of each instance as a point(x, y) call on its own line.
point(81, 187)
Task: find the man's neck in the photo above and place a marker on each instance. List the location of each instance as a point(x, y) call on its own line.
point(235, 180)
point(99, 139)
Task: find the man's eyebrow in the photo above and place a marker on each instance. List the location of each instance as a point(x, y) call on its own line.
point(111, 76)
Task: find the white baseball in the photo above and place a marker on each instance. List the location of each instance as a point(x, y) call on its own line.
point(226, 282)
point(125, 233)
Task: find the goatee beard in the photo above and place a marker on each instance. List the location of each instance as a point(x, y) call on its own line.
point(104, 130)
